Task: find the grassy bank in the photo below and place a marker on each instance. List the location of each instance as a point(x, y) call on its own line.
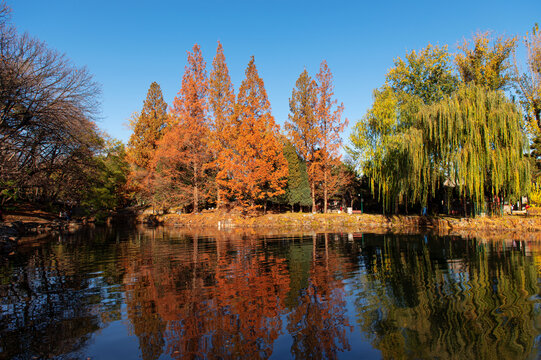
point(355, 222)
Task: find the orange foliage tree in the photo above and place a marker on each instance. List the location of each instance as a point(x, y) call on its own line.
point(183, 158)
point(331, 125)
point(148, 127)
point(255, 169)
point(221, 104)
point(302, 129)
point(314, 127)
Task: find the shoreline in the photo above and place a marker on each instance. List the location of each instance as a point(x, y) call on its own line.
point(361, 222)
point(498, 226)
point(507, 227)
point(11, 233)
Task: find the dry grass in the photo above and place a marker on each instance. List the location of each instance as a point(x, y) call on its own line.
point(358, 223)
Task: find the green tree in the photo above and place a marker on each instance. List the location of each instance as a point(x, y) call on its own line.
point(107, 190)
point(481, 152)
point(298, 187)
point(412, 142)
point(535, 155)
point(422, 78)
point(426, 75)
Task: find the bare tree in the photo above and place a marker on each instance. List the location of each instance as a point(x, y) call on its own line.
point(47, 108)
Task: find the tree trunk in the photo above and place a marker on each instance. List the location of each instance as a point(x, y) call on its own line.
point(195, 191)
point(406, 204)
point(195, 199)
point(218, 197)
point(325, 189)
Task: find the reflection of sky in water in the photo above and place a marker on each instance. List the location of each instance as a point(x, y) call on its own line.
point(112, 342)
point(170, 294)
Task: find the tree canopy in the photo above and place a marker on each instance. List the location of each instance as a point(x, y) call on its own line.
point(467, 137)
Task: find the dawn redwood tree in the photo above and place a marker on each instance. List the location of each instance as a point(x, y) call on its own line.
point(189, 140)
point(170, 181)
point(330, 125)
point(147, 128)
point(302, 128)
point(221, 99)
point(256, 171)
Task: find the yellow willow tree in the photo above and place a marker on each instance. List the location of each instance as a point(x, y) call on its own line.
point(183, 153)
point(472, 140)
point(330, 125)
point(221, 102)
point(256, 169)
point(421, 78)
point(486, 62)
point(302, 128)
point(475, 139)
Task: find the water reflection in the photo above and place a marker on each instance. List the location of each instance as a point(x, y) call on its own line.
point(449, 299)
point(319, 324)
point(186, 295)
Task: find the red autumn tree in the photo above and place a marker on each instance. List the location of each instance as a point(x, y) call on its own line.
point(221, 103)
point(256, 169)
point(183, 156)
point(302, 127)
point(330, 125)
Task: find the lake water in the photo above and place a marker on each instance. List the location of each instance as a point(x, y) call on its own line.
point(172, 294)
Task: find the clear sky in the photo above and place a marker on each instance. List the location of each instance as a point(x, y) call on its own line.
point(128, 44)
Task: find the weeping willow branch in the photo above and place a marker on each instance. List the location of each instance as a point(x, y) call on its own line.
point(472, 140)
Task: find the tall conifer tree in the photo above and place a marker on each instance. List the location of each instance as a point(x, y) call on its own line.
point(331, 125)
point(257, 169)
point(302, 129)
point(184, 148)
point(221, 103)
point(147, 128)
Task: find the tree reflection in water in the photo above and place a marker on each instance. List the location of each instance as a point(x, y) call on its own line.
point(319, 323)
point(187, 295)
point(450, 299)
point(50, 305)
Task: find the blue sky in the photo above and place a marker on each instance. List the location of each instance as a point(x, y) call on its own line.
point(128, 44)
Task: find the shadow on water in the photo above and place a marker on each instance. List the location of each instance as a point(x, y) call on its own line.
point(169, 293)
